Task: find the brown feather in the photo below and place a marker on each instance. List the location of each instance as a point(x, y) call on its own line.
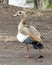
point(32, 32)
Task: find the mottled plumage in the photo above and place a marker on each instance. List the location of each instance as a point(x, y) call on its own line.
point(29, 30)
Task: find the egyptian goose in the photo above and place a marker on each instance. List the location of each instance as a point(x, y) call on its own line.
point(28, 34)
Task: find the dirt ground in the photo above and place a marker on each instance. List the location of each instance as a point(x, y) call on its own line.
point(11, 51)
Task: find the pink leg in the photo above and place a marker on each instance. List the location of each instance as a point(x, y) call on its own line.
point(40, 54)
point(28, 51)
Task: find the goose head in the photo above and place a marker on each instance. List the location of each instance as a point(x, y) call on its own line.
point(22, 15)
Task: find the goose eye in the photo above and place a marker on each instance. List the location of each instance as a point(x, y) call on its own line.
point(19, 12)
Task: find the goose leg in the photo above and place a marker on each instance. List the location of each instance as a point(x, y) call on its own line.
point(38, 46)
point(40, 54)
point(28, 51)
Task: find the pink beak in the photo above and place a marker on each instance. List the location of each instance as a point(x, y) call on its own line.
point(15, 14)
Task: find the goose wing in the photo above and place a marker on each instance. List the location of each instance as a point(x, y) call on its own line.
point(32, 32)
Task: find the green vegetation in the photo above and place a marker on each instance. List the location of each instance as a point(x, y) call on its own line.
point(48, 4)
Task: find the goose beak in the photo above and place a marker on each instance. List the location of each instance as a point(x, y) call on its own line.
point(16, 14)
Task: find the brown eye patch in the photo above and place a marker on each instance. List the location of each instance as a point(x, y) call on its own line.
point(19, 12)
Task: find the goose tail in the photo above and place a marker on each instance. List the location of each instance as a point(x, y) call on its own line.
point(37, 45)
